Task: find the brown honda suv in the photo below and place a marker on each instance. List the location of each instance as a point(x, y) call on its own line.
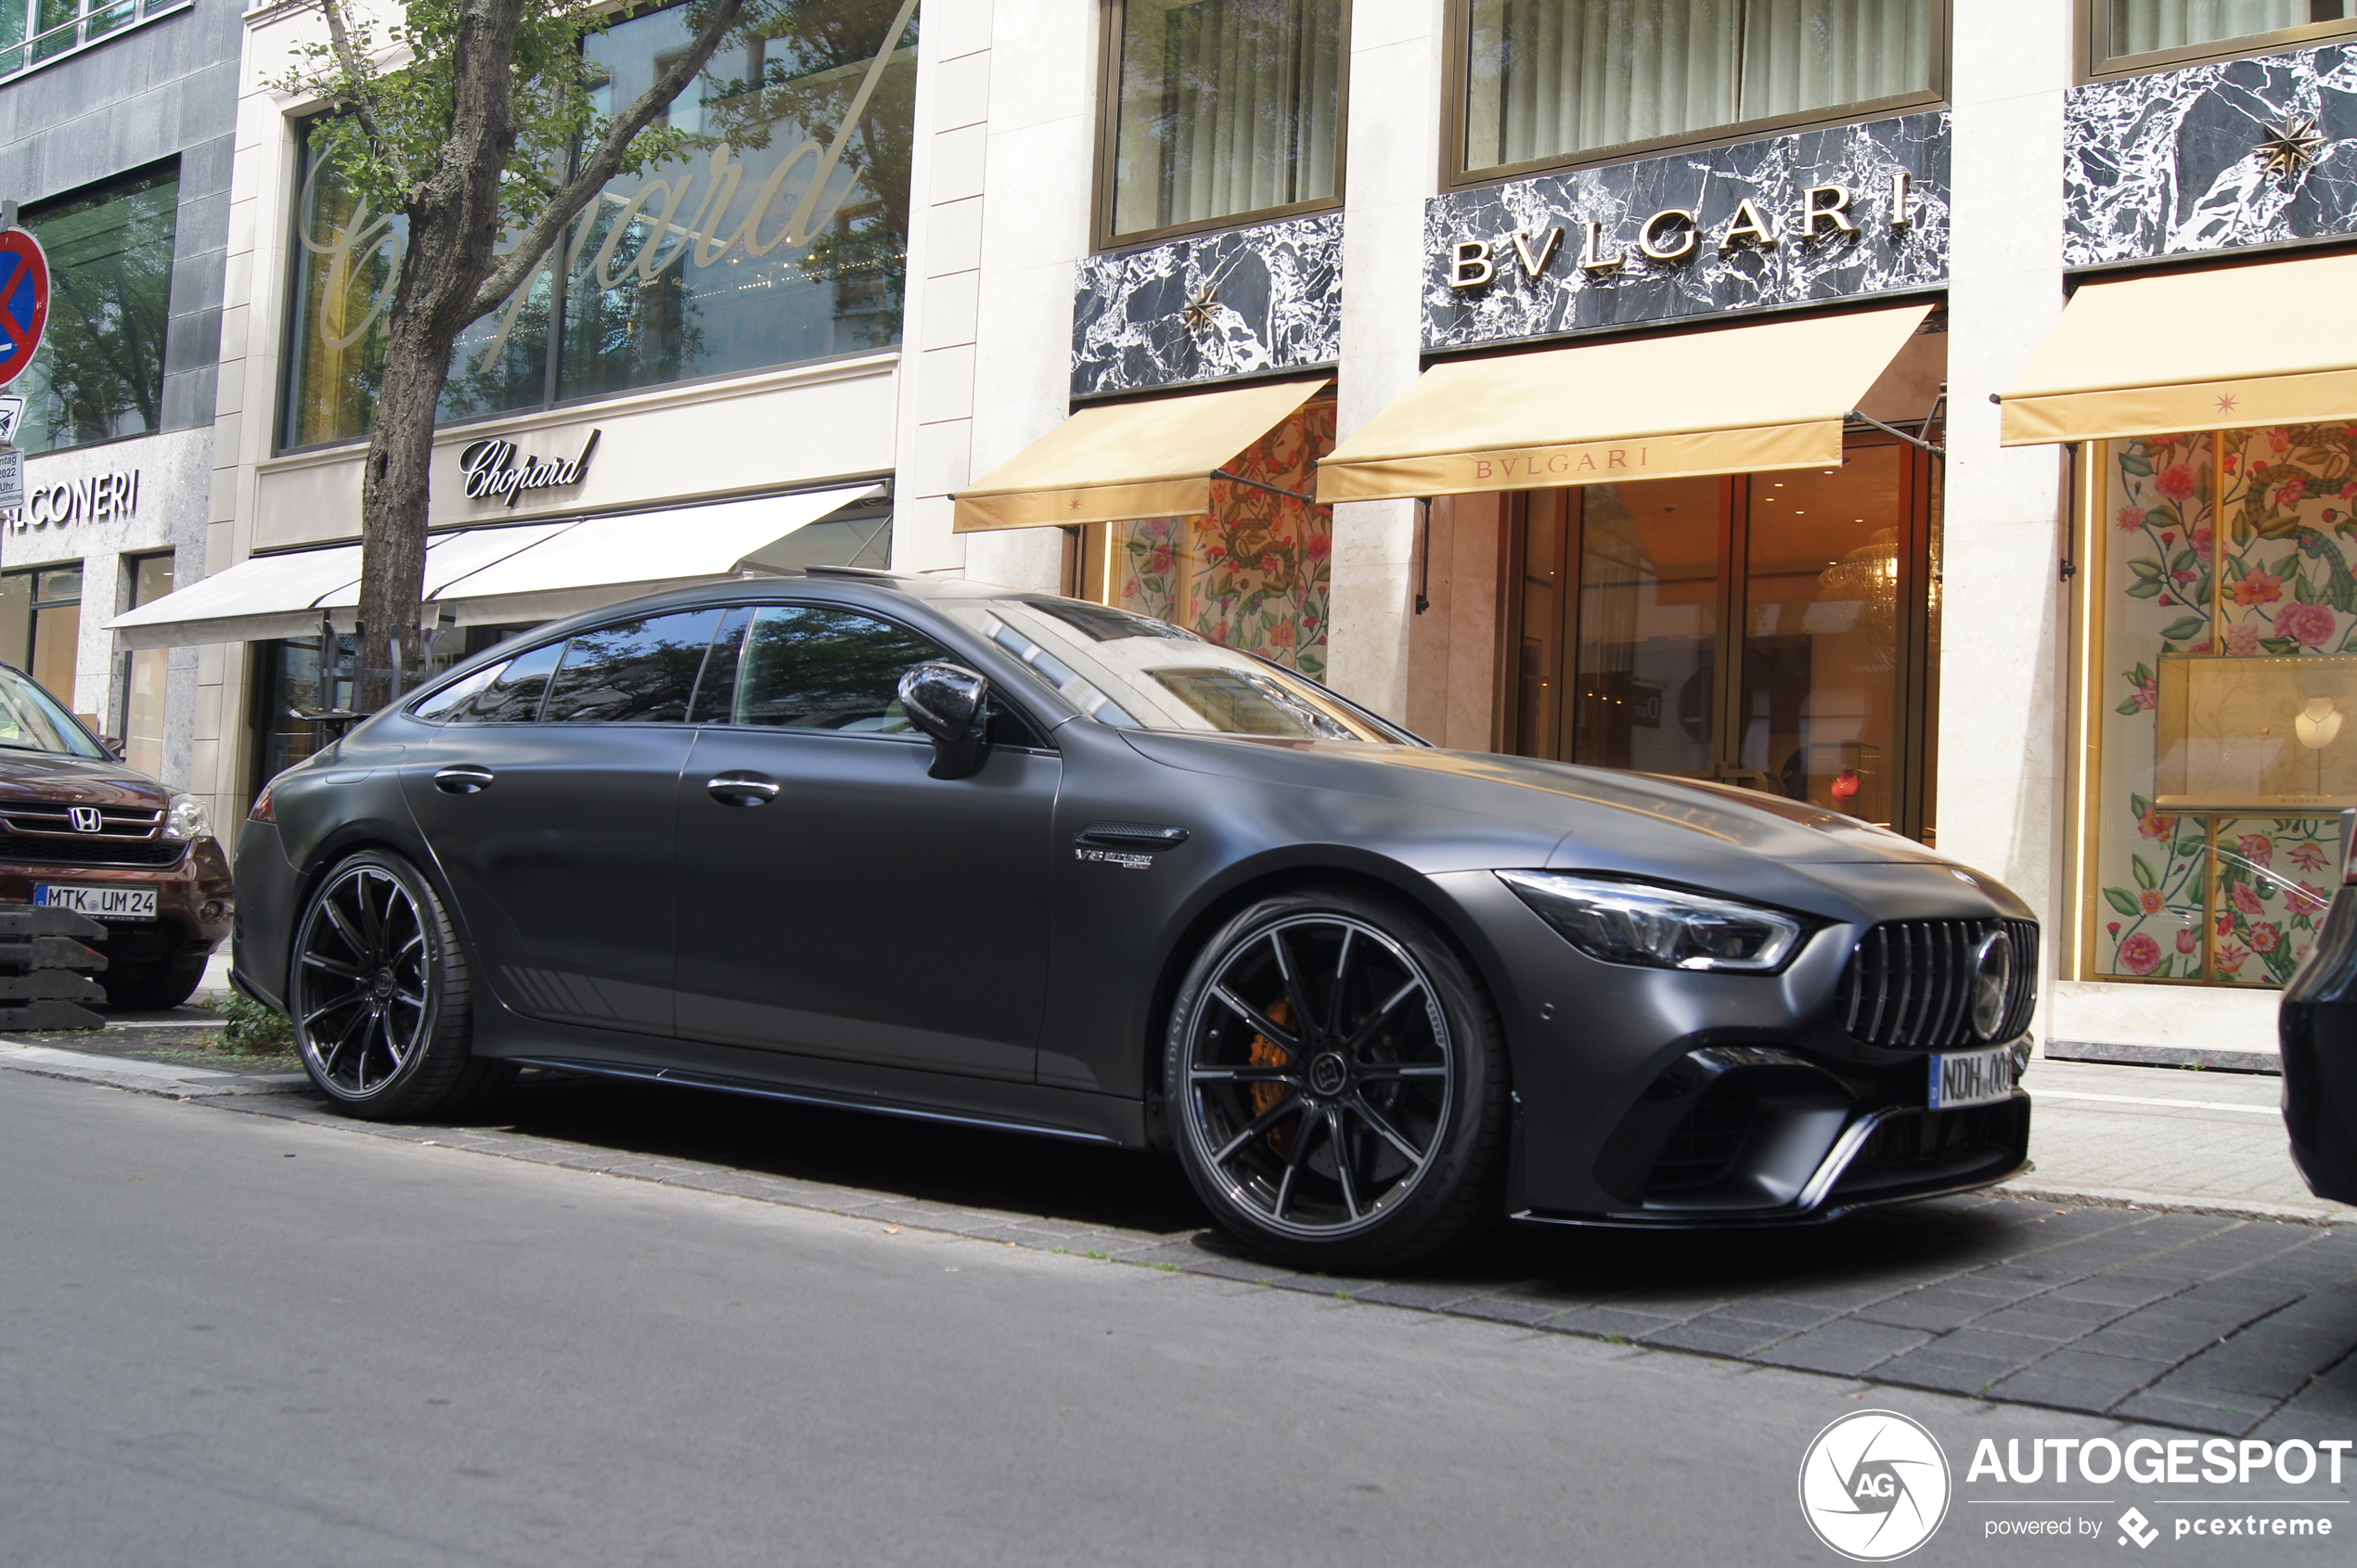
point(79, 830)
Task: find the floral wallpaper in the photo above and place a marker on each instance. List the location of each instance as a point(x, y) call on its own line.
point(2215, 897)
point(1254, 573)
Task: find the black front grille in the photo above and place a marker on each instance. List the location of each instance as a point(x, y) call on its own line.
point(1927, 1145)
point(96, 850)
point(1908, 984)
point(1705, 1146)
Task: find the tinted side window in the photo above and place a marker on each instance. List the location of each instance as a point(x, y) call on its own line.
point(514, 695)
point(452, 700)
point(811, 667)
point(632, 671)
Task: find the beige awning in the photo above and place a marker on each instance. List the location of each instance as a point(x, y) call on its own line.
point(1736, 400)
point(1154, 458)
point(2227, 348)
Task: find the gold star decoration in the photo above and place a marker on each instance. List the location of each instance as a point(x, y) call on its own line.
point(2290, 146)
point(1198, 312)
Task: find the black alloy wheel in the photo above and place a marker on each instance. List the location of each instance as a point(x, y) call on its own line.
point(378, 994)
point(1338, 1084)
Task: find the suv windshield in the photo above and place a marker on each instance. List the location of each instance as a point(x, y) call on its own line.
point(1127, 670)
point(32, 721)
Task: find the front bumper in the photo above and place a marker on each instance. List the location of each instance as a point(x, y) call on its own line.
point(194, 904)
point(1654, 1098)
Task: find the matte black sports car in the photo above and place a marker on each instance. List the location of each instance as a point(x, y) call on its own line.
point(955, 852)
point(2316, 1025)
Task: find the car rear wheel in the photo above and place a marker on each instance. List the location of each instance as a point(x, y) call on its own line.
point(1338, 1084)
point(379, 994)
point(149, 988)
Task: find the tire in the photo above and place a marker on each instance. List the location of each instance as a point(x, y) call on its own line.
point(152, 987)
point(377, 988)
point(1401, 1072)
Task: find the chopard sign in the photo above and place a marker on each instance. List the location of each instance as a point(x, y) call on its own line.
point(1825, 213)
point(494, 469)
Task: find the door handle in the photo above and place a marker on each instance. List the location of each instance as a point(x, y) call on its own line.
point(463, 779)
point(741, 788)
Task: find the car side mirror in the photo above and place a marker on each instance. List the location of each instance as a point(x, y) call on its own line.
point(948, 702)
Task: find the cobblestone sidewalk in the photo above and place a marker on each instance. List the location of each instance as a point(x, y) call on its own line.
point(2203, 1321)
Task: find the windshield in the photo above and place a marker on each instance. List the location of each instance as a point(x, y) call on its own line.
point(1125, 670)
point(32, 721)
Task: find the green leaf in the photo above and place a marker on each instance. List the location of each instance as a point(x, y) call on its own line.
point(2166, 965)
point(2186, 628)
point(2144, 870)
point(2145, 567)
point(2134, 461)
point(2190, 846)
point(2118, 898)
point(2144, 590)
point(2141, 806)
point(2279, 645)
point(2128, 707)
point(2302, 591)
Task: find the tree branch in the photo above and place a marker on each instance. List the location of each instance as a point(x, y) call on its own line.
point(603, 163)
point(348, 60)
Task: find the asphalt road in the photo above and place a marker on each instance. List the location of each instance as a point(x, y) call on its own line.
point(231, 1339)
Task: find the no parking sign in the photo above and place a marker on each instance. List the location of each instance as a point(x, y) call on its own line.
point(24, 301)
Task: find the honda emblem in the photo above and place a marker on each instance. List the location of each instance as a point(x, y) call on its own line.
point(86, 819)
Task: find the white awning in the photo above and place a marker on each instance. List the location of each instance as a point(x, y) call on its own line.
point(530, 572)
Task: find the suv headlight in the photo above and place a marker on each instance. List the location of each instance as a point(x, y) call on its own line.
point(186, 819)
point(1660, 928)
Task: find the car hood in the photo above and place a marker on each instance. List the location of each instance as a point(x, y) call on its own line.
point(45, 775)
point(1590, 811)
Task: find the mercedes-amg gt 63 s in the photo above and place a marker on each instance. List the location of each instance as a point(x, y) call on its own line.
point(968, 853)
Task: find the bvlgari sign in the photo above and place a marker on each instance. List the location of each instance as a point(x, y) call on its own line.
point(1848, 212)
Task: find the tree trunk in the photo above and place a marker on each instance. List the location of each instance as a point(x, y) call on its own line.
point(454, 222)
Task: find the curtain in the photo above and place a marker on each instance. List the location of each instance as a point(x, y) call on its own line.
point(1226, 106)
point(1552, 78)
point(2140, 25)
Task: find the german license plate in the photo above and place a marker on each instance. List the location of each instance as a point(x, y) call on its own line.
point(99, 903)
point(1961, 1078)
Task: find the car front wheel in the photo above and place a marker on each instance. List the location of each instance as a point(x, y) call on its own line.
point(379, 994)
point(1338, 1083)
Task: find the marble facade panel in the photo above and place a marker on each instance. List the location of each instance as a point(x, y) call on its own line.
point(1270, 299)
point(1877, 256)
point(2173, 163)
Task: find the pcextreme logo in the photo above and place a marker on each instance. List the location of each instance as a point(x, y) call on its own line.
point(1873, 1485)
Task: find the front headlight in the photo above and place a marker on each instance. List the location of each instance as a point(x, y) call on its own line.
point(186, 819)
point(1660, 928)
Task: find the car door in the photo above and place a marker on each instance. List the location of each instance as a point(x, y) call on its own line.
point(548, 798)
point(834, 900)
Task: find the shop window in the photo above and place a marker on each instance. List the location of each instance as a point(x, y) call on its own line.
point(40, 625)
point(2225, 668)
point(1566, 80)
point(140, 723)
point(1774, 631)
point(99, 374)
point(1253, 573)
point(2138, 34)
point(36, 31)
point(1220, 109)
point(760, 246)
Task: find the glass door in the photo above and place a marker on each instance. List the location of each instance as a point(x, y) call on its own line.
point(1771, 630)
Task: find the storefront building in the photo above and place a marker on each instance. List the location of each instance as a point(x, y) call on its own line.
point(115, 145)
point(1644, 385)
point(703, 375)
